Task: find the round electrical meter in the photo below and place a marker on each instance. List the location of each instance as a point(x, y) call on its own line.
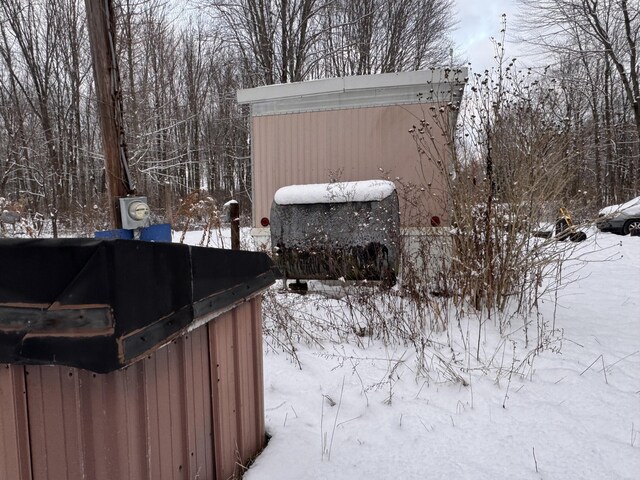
point(138, 210)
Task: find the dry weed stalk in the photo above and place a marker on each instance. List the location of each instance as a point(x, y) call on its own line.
point(503, 175)
point(199, 210)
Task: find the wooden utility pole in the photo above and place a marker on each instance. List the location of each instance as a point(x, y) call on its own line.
point(101, 26)
point(234, 217)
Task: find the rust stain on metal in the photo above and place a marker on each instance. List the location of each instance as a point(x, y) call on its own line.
point(70, 334)
point(15, 453)
point(88, 306)
point(57, 319)
point(42, 306)
point(193, 409)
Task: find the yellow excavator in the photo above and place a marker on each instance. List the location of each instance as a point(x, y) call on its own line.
point(566, 228)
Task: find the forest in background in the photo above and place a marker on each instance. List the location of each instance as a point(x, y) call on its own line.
point(181, 64)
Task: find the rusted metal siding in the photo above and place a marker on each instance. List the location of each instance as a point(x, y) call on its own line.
point(192, 409)
point(343, 145)
point(238, 410)
point(15, 456)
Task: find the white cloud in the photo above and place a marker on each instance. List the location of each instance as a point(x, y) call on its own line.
point(479, 20)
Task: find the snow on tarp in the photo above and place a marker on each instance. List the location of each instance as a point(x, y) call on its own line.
point(339, 192)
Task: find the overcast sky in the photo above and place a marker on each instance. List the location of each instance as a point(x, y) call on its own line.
point(479, 20)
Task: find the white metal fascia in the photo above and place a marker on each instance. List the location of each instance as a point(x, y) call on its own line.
point(287, 90)
point(346, 84)
point(363, 98)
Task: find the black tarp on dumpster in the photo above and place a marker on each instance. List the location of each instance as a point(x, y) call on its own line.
point(101, 304)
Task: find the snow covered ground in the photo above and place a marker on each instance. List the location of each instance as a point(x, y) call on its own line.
point(363, 409)
point(571, 412)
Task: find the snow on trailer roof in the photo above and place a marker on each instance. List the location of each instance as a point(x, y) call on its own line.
point(338, 192)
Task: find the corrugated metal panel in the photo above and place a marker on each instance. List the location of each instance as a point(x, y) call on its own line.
point(225, 416)
point(54, 422)
point(247, 385)
point(15, 459)
point(345, 145)
point(158, 419)
point(238, 399)
point(199, 407)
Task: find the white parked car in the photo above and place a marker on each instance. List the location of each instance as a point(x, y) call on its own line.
point(620, 218)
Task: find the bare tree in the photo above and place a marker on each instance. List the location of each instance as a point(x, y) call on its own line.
point(602, 36)
point(275, 38)
point(375, 36)
point(291, 40)
point(30, 50)
point(179, 78)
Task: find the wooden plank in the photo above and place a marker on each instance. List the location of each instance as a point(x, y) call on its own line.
point(90, 320)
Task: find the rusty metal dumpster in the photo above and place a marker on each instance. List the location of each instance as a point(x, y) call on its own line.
point(129, 360)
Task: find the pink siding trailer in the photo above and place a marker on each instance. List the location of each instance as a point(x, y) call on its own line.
point(352, 128)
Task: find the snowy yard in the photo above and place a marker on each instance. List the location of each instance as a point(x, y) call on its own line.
point(572, 412)
point(365, 408)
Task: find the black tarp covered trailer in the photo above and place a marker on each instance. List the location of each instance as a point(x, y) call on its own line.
point(343, 230)
point(102, 304)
